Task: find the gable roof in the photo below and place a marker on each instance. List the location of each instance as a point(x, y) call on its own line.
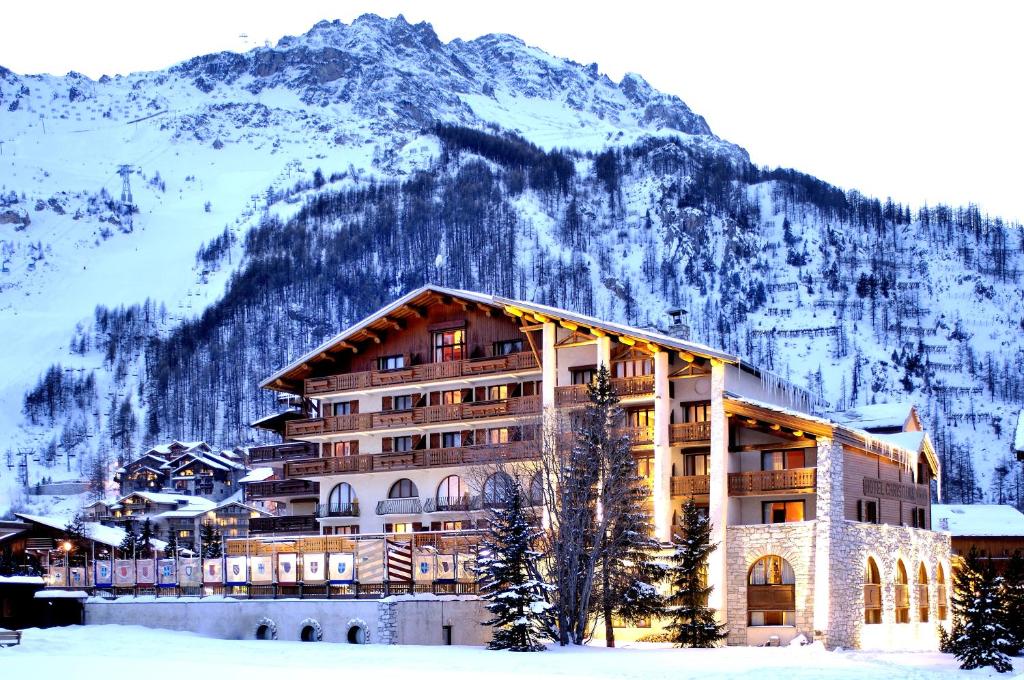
point(94, 531)
point(520, 308)
point(878, 416)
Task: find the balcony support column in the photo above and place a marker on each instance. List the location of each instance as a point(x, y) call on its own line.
point(718, 493)
point(662, 449)
point(829, 513)
point(604, 352)
point(549, 366)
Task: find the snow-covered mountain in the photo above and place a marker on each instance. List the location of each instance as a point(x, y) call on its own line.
point(281, 193)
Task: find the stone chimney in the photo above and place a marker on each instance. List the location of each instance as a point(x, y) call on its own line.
point(677, 326)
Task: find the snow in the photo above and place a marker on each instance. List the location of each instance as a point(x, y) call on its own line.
point(171, 498)
point(257, 475)
point(874, 416)
point(1018, 439)
point(90, 649)
point(53, 594)
point(32, 580)
point(101, 533)
point(978, 520)
point(911, 441)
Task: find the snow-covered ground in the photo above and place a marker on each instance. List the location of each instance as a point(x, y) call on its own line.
point(100, 651)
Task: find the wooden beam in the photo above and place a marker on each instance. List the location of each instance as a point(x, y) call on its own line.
point(533, 345)
point(626, 341)
point(324, 356)
point(597, 332)
point(652, 347)
point(540, 318)
point(373, 336)
point(568, 325)
point(418, 312)
point(513, 311)
point(349, 345)
point(394, 323)
point(486, 309)
point(687, 357)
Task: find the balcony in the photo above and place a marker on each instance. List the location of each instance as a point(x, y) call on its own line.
point(690, 432)
point(422, 415)
point(347, 382)
point(282, 452)
point(636, 386)
point(282, 488)
point(399, 506)
point(418, 459)
point(451, 504)
point(290, 524)
point(692, 485)
point(338, 509)
point(797, 480)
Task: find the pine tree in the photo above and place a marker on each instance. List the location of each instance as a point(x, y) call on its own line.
point(692, 622)
point(508, 579)
point(210, 539)
point(1013, 601)
point(978, 637)
point(146, 536)
point(130, 544)
point(171, 549)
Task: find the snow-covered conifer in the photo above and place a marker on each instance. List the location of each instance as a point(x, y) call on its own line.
point(693, 623)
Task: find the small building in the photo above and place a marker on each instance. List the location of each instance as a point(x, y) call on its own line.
point(189, 468)
point(231, 517)
point(997, 531)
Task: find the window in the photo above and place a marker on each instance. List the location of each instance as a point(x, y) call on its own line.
point(872, 593)
point(451, 439)
point(771, 596)
point(537, 489)
point(391, 363)
point(632, 368)
point(782, 460)
point(940, 592)
point(867, 511)
point(450, 345)
point(641, 418)
point(496, 392)
point(455, 525)
point(402, 444)
point(503, 347)
point(645, 467)
point(345, 448)
point(342, 408)
point(403, 488)
point(695, 464)
point(400, 528)
point(497, 489)
point(902, 594)
point(922, 594)
point(696, 412)
point(341, 500)
point(777, 512)
point(917, 518)
point(451, 490)
point(498, 435)
point(402, 403)
point(582, 376)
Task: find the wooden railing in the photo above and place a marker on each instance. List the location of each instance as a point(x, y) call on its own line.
point(421, 415)
point(286, 451)
point(420, 458)
point(338, 509)
point(798, 480)
point(290, 524)
point(284, 487)
point(638, 436)
point(421, 373)
point(641, 385)
point(689, 432)
point(692, 485)
point(399, 506)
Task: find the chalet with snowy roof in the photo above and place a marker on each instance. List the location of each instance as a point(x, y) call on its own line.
point(823, 524)
point(995, 531)
point(145, 473)
point(212, 475)
point(231, 517)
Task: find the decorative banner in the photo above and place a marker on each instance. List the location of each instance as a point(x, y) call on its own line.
point(371, 561)
point(399, 561)
point(234, 571)
point(423, 566)
point(287, 571)
point(77, 577)
point(190, 572)
point(445, 568)
point(145, 572)
point(58, 577)
point(261, 569)
point(342, 567)
point(165, 574)
point(124, 573)
point(213, 571)
point(314, 568)
point(104, 574)
point(465, 567)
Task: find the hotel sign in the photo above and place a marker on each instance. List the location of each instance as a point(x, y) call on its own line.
point(898, 491)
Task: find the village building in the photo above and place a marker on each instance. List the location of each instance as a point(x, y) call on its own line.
point(189, 468)
point(995, 531)
point(823, 523)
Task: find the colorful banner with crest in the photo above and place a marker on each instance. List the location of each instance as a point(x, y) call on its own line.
point(124, 573)
point(314, 568)
point(287, 568)
point(445, 567)
point(213, 571)
point(342, 567)
point(423, 567)
point(145, 572)
point(261, 569)
point(165, 576)
point(190, 572)
point(234, 571)
point(104, 574)
point(57, 576)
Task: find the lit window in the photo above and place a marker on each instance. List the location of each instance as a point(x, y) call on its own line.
point(782, 460)
point(778, 512)
point(695, 464)
point(449, 397)
point(450, 345)
point(496, 392)
point(696, 412)
point(771, 596)
point(498, 435)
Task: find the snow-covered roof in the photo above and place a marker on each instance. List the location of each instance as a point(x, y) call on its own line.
point(168, 498)
point(876, 416)
point(101, 533)
point(31, 580)
point(274, 416)
point(522, 305)
point(1018, 439)
point(257, 475)
point(51, 594)
point(8, 533)
point(978, 520)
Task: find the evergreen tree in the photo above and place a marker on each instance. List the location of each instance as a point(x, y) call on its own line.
point(130, 544)
point(210, 540)
point(146, 536)
point(692, 622)
point(978, 637)
point(1013, 601)
point(508, 578)
point(171, 549)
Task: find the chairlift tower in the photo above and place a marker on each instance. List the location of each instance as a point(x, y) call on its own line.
point(126, 185)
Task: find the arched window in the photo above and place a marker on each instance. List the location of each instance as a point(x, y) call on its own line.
point(922, 593)
point(537, 489)
point(452, 494)
point(497, 489)
point(342, 501)
point(771, 596)
point(872, 593)
point(403, 488)
point(902, 594)
point(940, 592)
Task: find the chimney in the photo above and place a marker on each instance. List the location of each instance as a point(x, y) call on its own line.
point(677, 326)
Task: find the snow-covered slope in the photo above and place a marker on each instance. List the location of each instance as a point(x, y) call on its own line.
point(223, 143)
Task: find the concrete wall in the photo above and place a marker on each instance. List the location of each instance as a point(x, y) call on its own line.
point(409, 621)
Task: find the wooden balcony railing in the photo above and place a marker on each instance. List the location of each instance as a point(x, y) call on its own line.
point(638, 436)
point(689, 432)
point(399, 506)
point(338, 509)
point(284, 487)
point(693, 485)
point(798, 480)
point(420, 458)
point(421, 373)
point(422, 415)
point(641, 385)
point(290, 524)
point(286, 451)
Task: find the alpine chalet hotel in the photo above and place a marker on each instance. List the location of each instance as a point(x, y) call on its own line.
point(823, 522)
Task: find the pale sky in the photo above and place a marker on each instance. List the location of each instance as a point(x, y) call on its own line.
point(922, 101)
